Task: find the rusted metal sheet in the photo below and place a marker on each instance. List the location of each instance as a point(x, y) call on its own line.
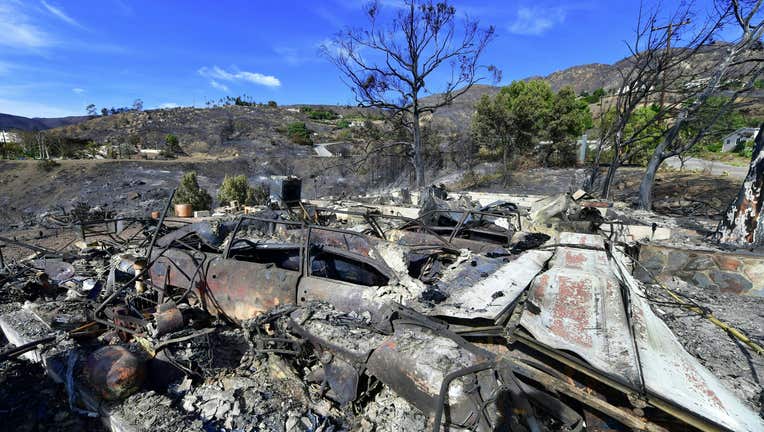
point(174, 268)
point(581, 306)
point(415, 361)
point(167, 319)
point(413, 238)
point(577, 306)
point(243, 290)
point(344, 296)
point(674, 374)
point(351, 242)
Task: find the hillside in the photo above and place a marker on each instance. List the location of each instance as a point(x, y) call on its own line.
point(250, 130)
point(226, 131)
point(13, 122)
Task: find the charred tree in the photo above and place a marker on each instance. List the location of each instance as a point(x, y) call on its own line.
point(743, 223)
point(391, 65)
point(736, 63)
point(652, 70)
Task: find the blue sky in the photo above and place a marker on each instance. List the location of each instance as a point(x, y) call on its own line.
point(58, 56)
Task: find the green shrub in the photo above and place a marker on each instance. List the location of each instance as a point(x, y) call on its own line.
point(745, 150)
point(189, 192)
point(272, 104)
point(345, 135)
point(237, 188)
point(343, 124)
point(714, 147)
point(299, 133)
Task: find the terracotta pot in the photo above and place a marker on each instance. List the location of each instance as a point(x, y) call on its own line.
point(155, 215)
point(184, 210)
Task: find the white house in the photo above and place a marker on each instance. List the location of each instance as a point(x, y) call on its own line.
point(740, 136)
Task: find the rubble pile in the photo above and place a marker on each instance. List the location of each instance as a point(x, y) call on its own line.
point(353, 317)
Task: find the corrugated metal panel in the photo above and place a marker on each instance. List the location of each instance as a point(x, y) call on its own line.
point(674, 374)
point(580, 308)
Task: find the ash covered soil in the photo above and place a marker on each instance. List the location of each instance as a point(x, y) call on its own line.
point(738, 366)
point(27, 190)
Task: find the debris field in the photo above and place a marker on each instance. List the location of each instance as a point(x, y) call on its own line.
point(518, 314)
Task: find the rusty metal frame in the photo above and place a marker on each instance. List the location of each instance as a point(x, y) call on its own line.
point(375, 216)
point(385, 270)
point(305, 232)
point(460, 224)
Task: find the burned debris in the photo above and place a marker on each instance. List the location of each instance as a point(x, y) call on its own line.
point(351, 316)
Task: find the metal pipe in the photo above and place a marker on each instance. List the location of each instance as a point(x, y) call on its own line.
point(160, 223)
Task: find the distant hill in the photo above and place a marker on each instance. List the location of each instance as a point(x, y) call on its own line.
point(9, 122)
point(582, 78)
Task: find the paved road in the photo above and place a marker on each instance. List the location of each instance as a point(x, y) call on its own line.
point(321, 149)
point(714, 167)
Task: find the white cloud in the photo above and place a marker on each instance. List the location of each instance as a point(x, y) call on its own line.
point(78, 90)
point(217, 73)
point(536, 20)
point(219, 86)
point(168, 105)
point(60, 14)
point(17, 31)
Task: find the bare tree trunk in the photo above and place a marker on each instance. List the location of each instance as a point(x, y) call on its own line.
point(506, 162)
point(595, 169)
point(608, 183)
point(614, 164)
point(743, 223)
point(418, 156)
point(658, 156)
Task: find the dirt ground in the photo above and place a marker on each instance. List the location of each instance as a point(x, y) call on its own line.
point(27, 190)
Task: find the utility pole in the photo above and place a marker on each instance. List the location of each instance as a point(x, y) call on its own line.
point(670, 27)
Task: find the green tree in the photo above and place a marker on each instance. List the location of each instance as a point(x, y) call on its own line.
point(513, 120)
point(237, 188)
point(595, 96)
point(322, 114)
point(189, 192)
point(172, 145)
point(568, 119)
point(714, 119)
